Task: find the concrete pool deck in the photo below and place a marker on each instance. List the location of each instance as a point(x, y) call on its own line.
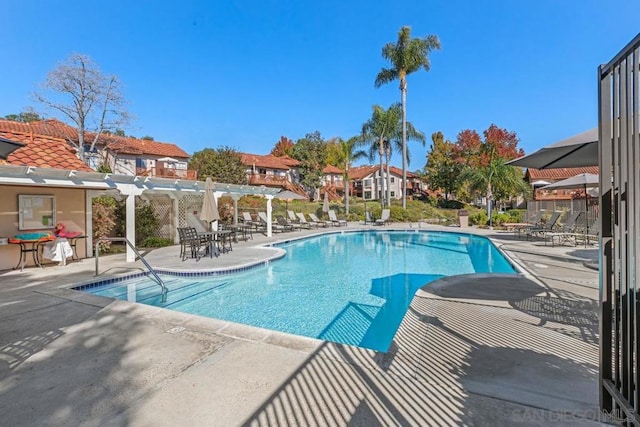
point(524, 350)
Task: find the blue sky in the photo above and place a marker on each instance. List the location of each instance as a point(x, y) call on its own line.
point(243, 73)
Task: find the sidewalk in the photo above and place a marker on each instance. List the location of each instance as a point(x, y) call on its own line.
point(474, 350)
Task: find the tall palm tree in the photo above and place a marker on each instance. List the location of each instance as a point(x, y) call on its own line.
point(407, 55)
point(346, 154)
point(378, 130)
point(396, 145)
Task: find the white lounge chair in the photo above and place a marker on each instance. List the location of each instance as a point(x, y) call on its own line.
point(320, 222)
point(334, 219)
point(384, 218)
point(303, 221)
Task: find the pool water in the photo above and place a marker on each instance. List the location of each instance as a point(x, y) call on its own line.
point(352, 288)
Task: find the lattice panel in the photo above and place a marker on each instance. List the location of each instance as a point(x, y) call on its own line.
point(188, 203)
point(163, 206)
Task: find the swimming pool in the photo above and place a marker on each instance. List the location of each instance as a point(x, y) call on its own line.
point(352, 287)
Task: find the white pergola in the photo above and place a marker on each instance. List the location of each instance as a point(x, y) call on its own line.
point(100, 184)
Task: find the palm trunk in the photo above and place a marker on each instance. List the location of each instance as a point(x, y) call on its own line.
point(346, 189)
point(388, 155)
point(381, 154)
point(403, 88)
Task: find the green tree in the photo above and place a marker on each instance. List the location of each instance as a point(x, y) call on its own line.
point(442, 170)
point(27, 116)
point(223, 164)
point(407, 56)
point(284, 147)
point(378, 131)
point(485, 160)
point(311, 152)
point(341, 153)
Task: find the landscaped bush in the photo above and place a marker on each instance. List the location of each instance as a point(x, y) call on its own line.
point(478, 218)
point(146, 223)
point(450, 204)
point(498, 219)
point(103, 218)
point(156, 242)
point(516, 215)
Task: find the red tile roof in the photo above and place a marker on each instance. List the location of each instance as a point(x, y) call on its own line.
point(122, 144)
point(361, 172)
point(43, 152)
point(330, 169)
point(558, 173)
point(269, 161)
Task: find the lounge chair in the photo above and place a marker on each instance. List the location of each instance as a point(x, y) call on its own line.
point(566, 233)
point(304, 223)
point(547, 227)
point(334, 219)
point(274, 226)
point(385, 217)
point(320, 222)
point(368, 219)
point(520, 227)
point(248, 220)
point(288, 226)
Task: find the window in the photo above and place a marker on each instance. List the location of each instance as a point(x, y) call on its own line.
point(393, 194)
point(36, 212)
point(367, 182)
point(367, 195)
point(140, 163)
point(393, 179)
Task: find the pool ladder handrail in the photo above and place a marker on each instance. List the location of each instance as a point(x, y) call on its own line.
point(140, 257)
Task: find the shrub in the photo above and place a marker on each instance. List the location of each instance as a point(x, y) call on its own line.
point(478, 218)
point(146, 223)
point(156, 242)
point(103, 218)
point(516, 215)
point(498, 219)
point(450, 204)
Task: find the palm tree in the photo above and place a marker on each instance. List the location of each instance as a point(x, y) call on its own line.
point(346, 154)
point(396, 145)
point(407, 55)
point(495, 174)
point(378, 130)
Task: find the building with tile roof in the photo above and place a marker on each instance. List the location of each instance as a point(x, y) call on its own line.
point(123, 155)
point(538, 178)
point(366, 182)
point(43, 152)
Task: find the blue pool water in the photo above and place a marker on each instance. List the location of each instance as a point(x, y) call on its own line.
point(351, 288)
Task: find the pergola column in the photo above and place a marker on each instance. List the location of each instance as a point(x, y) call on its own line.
point(130, 191)
point(269, 210)
point(235, 198)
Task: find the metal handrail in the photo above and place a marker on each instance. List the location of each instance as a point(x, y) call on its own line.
point(146, 264)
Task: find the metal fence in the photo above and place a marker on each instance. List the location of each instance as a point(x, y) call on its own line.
point(619, 125)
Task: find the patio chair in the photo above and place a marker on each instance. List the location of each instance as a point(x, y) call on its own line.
point(292, 217)
point(368, 219)
point(566, 234)
point(520, 227)
point(191, 244)
point(288, 226)
point(385, 217)
point(547, 227)
point(248, 220)
point(320, 222)
point(334, 219)
point(303, 221)
point(275, 227)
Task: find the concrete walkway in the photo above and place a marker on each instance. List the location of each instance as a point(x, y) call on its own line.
point(472, 350)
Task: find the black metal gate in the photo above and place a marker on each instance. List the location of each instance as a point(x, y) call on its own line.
point(619, 125)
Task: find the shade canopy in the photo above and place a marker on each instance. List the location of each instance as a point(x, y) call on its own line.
point(578, 151)
point(289, 195)
point(209, 211)
point(540, 183)
point(168, 160)
point(8, 146)
point(325, 204)
point(577, 181)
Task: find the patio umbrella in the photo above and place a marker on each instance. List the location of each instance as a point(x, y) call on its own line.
point(8, 146)
point(209, 211)
point(325, 204)
point(287, 195)
point(583, 180)
point(578, 151)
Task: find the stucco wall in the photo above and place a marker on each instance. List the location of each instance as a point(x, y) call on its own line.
point(70, 210)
